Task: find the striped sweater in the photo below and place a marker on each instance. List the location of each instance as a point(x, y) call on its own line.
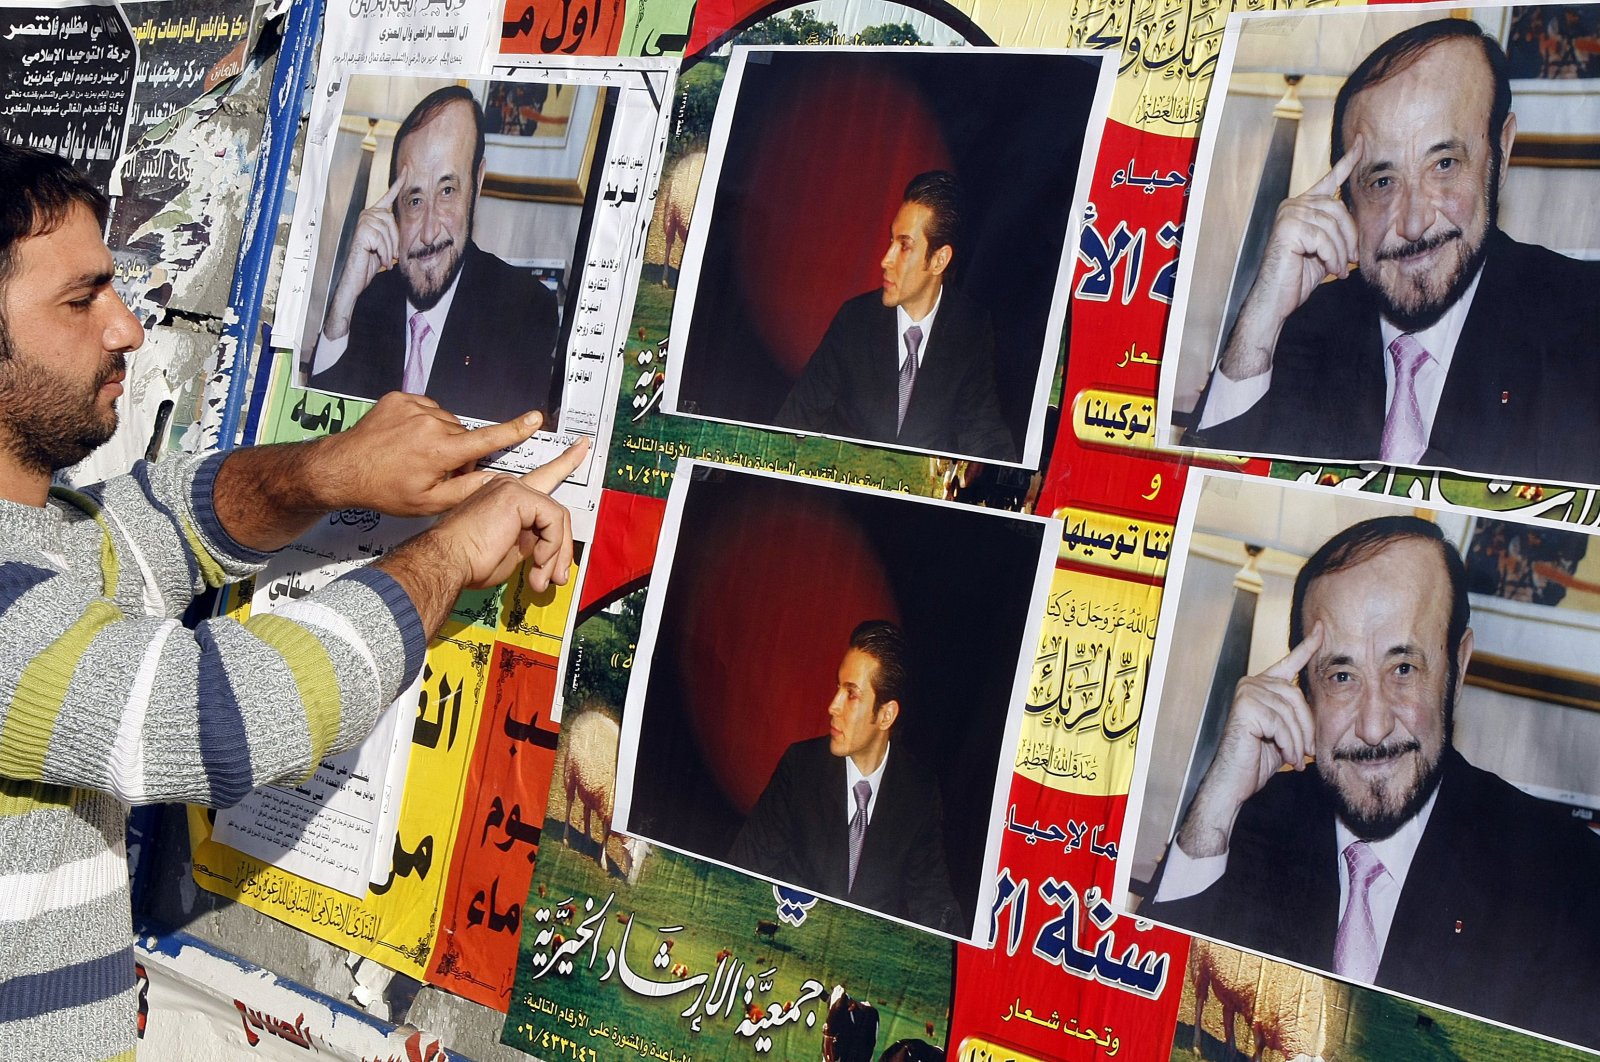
point(107, 700)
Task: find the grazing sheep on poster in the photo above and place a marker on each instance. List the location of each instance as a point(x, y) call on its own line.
point(590, 776)
point(1285, 1008)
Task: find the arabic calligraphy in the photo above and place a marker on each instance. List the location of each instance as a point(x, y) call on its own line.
point(1142, 973)
point(1065, 940)
point(253, 1019)
point(1072, 836)
point(67, 81)
point(1125, 247)
point(1129, 176)
point(1108, 541)
point(1110, 1042)
point(725, 992)
point(1113, 418)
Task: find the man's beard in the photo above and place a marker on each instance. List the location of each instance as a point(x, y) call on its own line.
point(1374, 809)
point(421, 290)
point(1411, 306)
point(46, 423)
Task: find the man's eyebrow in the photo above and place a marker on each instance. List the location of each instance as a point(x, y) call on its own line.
point(1367, 169)
point(87, 281)
point(1404, 649)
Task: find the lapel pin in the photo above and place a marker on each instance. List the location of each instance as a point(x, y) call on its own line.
point(1458, 925)
point(1505, 396)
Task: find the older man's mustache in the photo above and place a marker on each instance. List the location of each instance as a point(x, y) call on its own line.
point(1415, 247)
point(428, 250)
point(1370, 753)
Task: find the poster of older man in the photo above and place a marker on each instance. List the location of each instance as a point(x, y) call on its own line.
point(1391, 261)
point(1371, 761)
point(450, 246)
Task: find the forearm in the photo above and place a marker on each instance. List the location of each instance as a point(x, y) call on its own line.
point(267, 496)
point(431, 573)
point(1208, 826)
point(1253, 340)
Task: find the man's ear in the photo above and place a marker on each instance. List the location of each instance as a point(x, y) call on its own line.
point(886, 714)
point(939, 260)
point(1463, 655)
point(483, 166)
point(1508, 136)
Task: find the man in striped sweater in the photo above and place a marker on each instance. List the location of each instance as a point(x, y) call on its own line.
point(106, 699)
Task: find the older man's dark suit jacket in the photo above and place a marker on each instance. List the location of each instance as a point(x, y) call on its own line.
point(1498, 917)
point(496, 359)
point(851, 385)
point(1522, 397)
point(798, 833)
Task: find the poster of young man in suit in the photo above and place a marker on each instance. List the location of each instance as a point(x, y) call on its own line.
point(882, 245)
point(1360, 764)
point(1390, 260)
point(812, 704)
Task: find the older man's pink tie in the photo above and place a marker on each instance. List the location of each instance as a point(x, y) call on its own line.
point(1404, 439)
point(416, 377)
point(1355, 950)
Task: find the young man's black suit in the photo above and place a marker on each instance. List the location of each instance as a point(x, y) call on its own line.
point(798, 832)
point(851, 385)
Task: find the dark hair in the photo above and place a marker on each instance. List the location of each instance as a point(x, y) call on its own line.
point(940, 192)
point(883, 641)
point(1363, 541)
point(426, 110)
point(37, 192)
point(1398, 52)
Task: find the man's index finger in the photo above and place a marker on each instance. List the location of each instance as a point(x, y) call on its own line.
point(1298, 657)
point(394, 191)
point(1334, 179)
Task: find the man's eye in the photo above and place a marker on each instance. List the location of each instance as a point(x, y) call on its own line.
point(1447, 164)
point(1380, 183)
point(1339, 677)
point(1404, 669)
point(83, 303)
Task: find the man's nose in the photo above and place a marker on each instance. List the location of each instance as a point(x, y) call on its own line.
point(123, 332)
point(1375, 719)
point(432, 227)
point(1415, 213)
point(888, 258)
